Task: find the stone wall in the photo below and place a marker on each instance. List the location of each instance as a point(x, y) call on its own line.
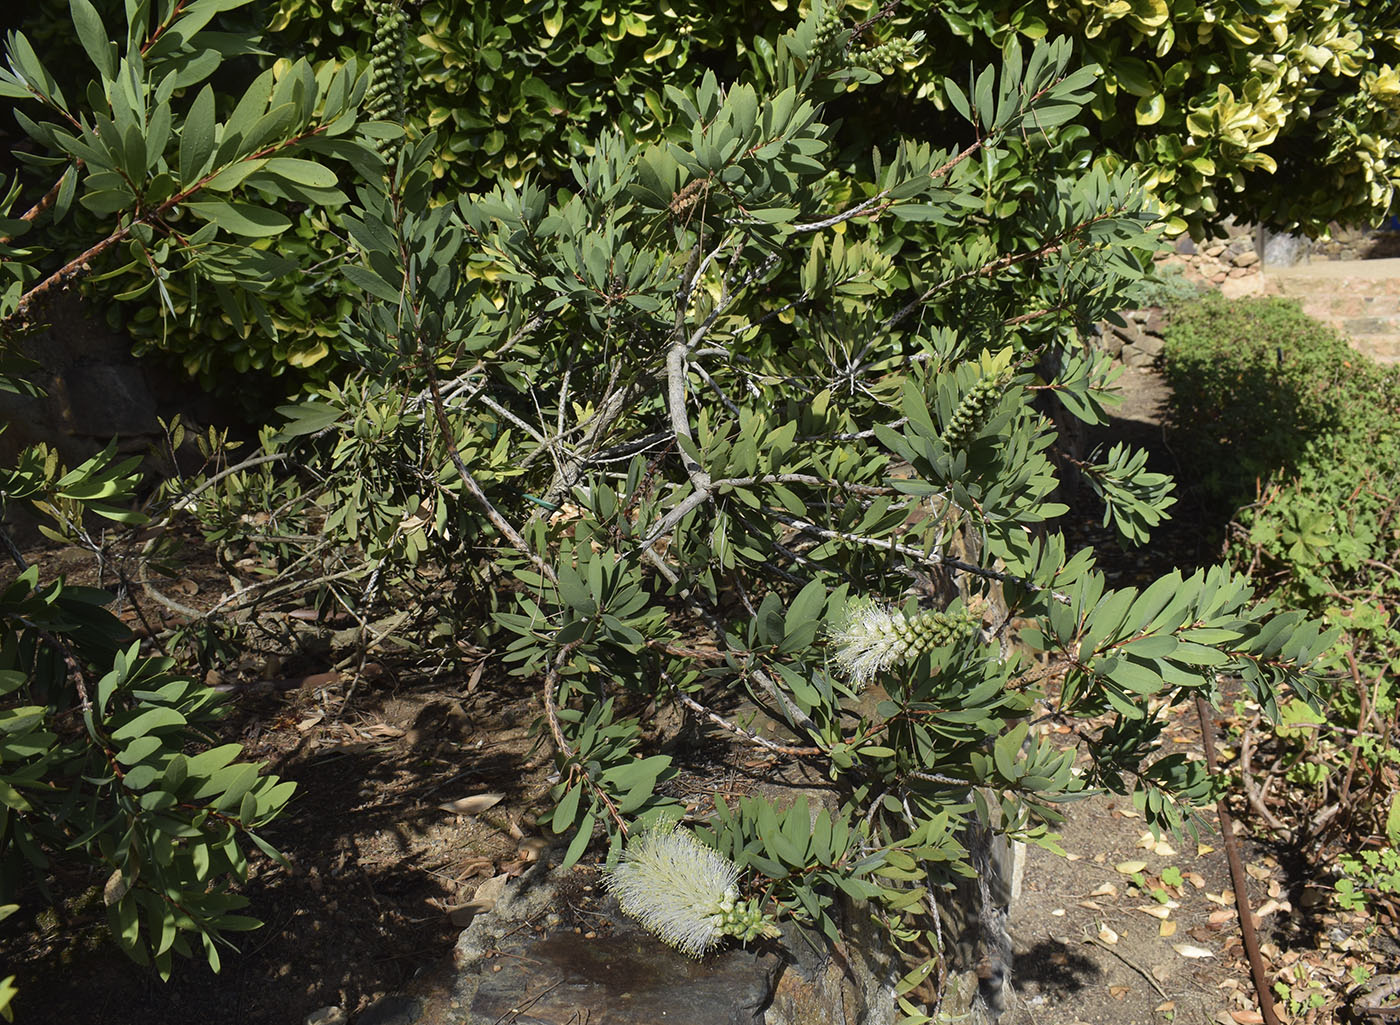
point(94, 390)
point(1220, 260)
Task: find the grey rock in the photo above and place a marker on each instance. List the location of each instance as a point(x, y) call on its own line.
point(108, 399)
point(391, 1010)
point(626, 975)
point(1135, 357)
point(1283, 250)
point(330, 1015)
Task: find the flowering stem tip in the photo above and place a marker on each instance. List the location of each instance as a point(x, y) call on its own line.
point(684, 892)
point(874, 637)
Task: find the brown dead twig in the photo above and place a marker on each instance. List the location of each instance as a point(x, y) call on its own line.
point(1238, 880)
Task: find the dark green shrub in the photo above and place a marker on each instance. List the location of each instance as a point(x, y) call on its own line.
point(1279, 111)
point(1253, 382)
point(1281, 414)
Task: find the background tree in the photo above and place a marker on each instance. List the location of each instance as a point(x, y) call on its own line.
point(105, 756)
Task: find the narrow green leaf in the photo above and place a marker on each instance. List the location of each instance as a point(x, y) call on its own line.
point(147, 722)
point(566, 811)
point(197, 137)
point(93, 35)
point(579, 844)
point(302, 172)
point(245, 219)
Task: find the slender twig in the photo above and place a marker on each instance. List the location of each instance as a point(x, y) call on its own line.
point(1151, 981)
point(82, 263)
point(13, 549)
point(736, 729)
point(1238, 879)
point(920, 556)
point(32, 214)
point(794, 714)
point(1252, 794)
point(247, 464)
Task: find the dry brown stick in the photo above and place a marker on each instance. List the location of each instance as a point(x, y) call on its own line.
point(1135, 967)
point(1256, 799)
point(1238, 879)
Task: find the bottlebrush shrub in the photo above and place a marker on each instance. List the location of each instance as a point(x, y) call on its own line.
point(684, 418)
point(106, 754)
point(729, 404)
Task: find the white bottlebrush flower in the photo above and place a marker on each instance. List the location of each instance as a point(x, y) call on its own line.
point(679, 889)
point(873, 637)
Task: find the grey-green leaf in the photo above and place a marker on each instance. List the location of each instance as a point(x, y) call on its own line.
point(244, 219)
point(93, 35)
point(197, 137)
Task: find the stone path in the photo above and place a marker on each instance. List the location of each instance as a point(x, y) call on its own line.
point(1360, 298)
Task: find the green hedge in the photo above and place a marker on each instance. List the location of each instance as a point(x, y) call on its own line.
point(1285, 111)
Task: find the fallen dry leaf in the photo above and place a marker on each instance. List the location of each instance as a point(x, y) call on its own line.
point(473, 805)
point(1255, 872)
point(1118, 992)
point(1220, 917)
point(1058, 913)
point(1247, 1017)
point(1195, 879)
point(1156, 910)
point(1106, 890)
point(1270, 906)
point(476, 867)
point(462, 915)
point(1163, 849)
point(492, 888)
point(1190, 950)
point(1225, 898)
point(1147, 841)
point(1129, 868)
point(531, 848)
point(1202, 849)
point(1166, 1005)
point(1107, 935)
point(1167, 928)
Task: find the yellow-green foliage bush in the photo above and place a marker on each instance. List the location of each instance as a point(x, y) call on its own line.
point(1284, 111)
point(1281, 110)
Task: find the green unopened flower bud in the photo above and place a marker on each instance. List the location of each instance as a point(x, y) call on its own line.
point(972, 413)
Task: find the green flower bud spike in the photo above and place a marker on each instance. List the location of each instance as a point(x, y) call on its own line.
point(384, 100)
point(684, 892)
point(981, 399)
point(875, 637)
point(889, 54)
point(973, 413)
